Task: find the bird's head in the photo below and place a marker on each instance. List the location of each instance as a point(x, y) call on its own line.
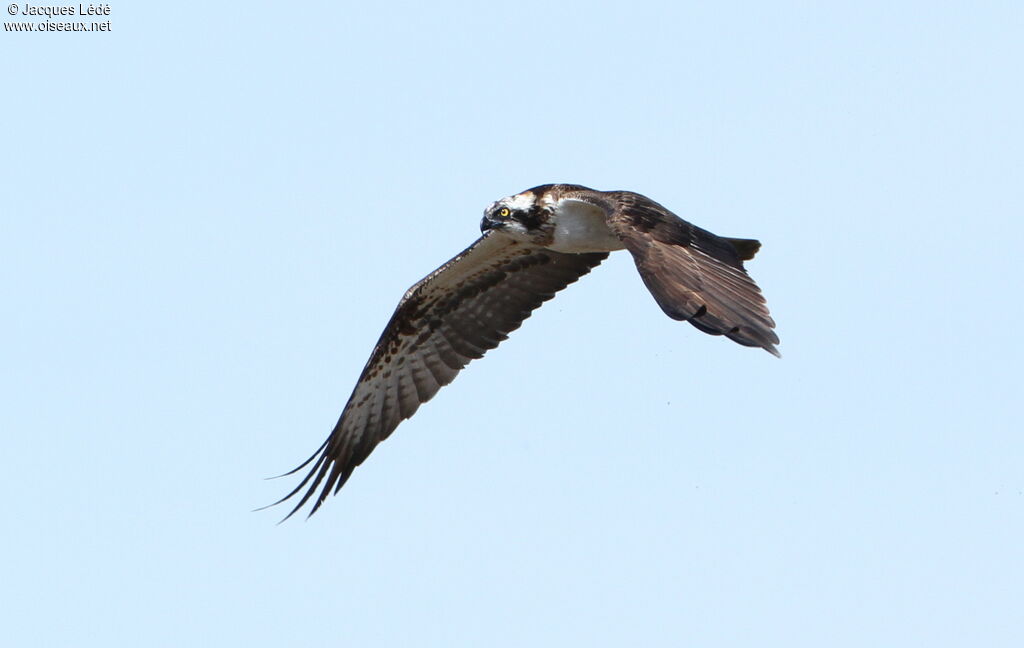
point(524, 216)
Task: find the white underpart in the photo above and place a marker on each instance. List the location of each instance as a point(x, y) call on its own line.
point(582, 227)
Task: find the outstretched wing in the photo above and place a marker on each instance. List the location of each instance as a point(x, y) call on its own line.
point(453, 316)
point(693, 274)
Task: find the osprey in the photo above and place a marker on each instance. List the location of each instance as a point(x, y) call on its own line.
point(534, 244)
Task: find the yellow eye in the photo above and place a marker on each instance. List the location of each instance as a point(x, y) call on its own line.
point(504, 212)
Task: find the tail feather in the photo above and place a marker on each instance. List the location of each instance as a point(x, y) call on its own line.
point(746, 248)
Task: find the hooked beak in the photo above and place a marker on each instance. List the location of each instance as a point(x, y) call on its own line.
point(488, 223)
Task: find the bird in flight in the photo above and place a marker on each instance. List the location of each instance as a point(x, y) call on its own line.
point(533, 244)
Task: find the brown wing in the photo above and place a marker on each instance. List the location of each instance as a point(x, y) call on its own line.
point(693, 274)
point(453, 316)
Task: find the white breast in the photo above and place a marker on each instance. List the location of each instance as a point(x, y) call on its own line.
point(581, 227)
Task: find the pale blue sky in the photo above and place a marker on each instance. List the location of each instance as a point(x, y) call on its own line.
point(210, 212)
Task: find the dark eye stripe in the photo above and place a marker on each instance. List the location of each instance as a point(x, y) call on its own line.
point(531, 219)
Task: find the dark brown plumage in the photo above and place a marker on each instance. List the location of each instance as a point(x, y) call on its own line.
point(693, 274)
point(454, 315)
point(533, 245)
